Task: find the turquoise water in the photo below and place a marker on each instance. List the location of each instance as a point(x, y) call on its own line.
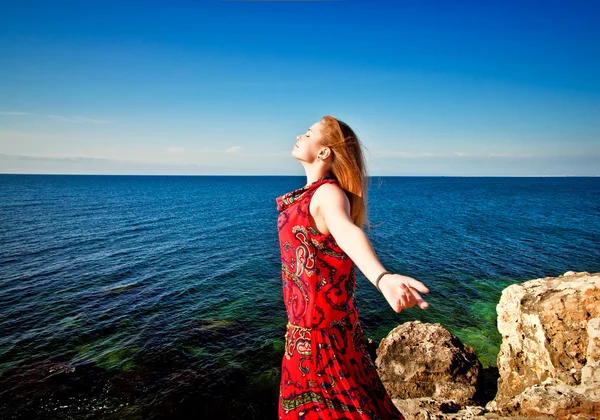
point(158, 296)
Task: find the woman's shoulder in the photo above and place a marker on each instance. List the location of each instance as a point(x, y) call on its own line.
point(330, 194)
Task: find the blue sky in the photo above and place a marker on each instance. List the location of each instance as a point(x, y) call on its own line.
point(467, 88)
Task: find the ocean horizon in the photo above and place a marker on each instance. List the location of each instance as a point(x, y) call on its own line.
point(303, 176)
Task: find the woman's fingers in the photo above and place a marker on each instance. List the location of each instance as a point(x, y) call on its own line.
point(416, 284)
point(402, 298)
point(404, 293)
point(410, 297)
point(419, 300)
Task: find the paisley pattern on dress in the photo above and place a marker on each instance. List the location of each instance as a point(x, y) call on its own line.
point(326, 372)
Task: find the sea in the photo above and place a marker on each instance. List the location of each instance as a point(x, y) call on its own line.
point(159, 297)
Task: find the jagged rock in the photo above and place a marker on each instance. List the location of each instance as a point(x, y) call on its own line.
point(557, 399)
point(433, 409)
point(418, 360)
point(425, 408)
point(549, 360)
point(590, 373)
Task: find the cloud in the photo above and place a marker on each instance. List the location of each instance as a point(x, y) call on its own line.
point(460, 155)
point(7, 156)
point(408, 155)
point(17, 143)
point(233, 149)
point(77, 119)
point(23, 164)
point(215, 163)
point(57, 117)
point(516, 155)
point(14, 113)
point(502, 155)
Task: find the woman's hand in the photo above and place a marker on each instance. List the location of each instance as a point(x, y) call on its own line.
point(402, 292)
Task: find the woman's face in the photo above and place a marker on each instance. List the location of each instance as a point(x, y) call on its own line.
point(308, 144)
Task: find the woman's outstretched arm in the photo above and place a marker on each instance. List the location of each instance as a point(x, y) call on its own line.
point(400, 291)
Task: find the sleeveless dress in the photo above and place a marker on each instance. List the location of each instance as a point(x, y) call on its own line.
point(326, 372)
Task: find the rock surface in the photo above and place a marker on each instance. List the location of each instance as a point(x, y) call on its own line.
point(418, 360)
point(555, 399)
point(549, 360)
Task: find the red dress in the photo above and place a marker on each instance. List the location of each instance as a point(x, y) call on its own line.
point(326, 372)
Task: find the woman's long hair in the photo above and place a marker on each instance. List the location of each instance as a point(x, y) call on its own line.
point(347, 165)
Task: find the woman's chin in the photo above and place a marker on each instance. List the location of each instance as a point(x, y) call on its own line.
point(298, 155)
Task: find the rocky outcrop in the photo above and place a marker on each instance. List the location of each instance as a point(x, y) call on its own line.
point(549, 360)
point(418, 360)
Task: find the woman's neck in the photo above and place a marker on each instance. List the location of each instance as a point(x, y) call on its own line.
point(314, 176)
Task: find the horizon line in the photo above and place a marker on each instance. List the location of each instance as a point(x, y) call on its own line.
point(289, 175)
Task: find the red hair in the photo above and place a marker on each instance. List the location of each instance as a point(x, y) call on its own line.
point(347, 165)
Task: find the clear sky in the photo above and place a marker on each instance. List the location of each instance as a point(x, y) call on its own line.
point(224, 87)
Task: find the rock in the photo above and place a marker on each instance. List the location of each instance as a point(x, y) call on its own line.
point(425, 408)
point(418, 360)
point(549, 360)
point(433, 409)
point(557, 399)
point(590, 373)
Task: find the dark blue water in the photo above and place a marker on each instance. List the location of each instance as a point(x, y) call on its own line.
point(158, 296)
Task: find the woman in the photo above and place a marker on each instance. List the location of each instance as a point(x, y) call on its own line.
point(326, 369)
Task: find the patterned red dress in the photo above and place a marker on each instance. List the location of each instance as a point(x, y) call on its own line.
point(326, 372)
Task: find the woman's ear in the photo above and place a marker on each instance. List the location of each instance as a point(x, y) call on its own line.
point(324, 153)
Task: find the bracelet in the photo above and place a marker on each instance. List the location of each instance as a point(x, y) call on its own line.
point(379, 278)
